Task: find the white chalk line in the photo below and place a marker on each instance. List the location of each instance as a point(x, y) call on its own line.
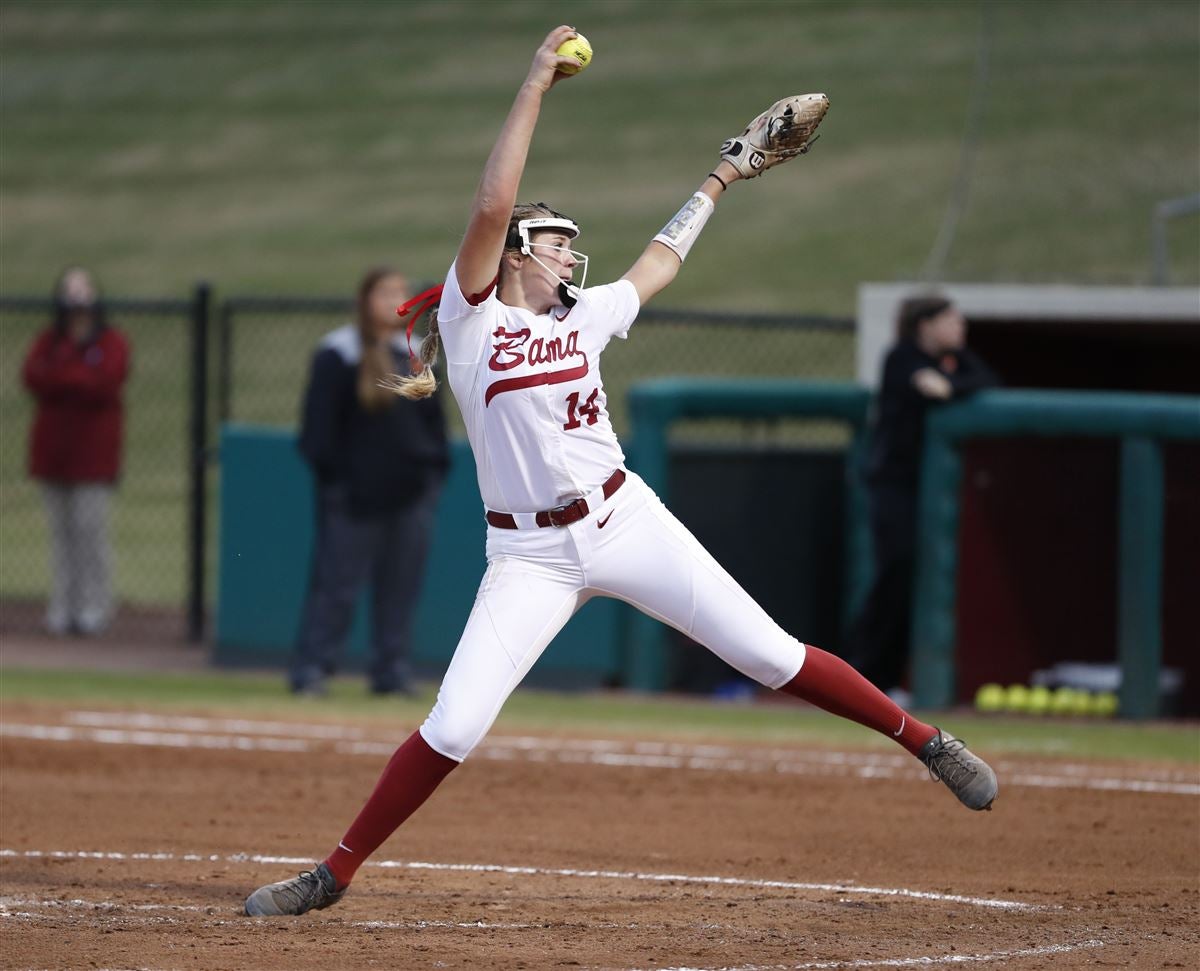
point(534, 743)
point(117, 909)
point(115, 736)
point(917, 962)
point(840, 888)
point(190, 723)
point(244, 735)
point(112, 913)
point(571, 873)
point(114, 909)
point(105, 906)
point(139, 967)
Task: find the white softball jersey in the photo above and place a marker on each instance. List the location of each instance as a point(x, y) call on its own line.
point(531, 395)
point(530, 392)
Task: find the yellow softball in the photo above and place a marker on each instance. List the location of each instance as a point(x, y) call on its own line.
point(578, 48)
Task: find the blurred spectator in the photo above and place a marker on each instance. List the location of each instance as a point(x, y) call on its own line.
point(75, 370)
point(378, 462)
point(929, 364)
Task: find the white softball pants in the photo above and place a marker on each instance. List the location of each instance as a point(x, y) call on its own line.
point(537, 578)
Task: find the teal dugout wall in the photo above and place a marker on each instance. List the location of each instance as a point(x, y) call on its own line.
point(1142, 422)
point(656, 405)
point(266, 531)
point(266, 521)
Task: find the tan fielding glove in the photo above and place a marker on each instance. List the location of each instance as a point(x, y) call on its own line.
point(785, 130)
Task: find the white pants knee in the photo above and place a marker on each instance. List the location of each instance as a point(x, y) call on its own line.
point(536, 579)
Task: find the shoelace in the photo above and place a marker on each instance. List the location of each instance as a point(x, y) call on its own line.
point(308, 888)
point(946, 766)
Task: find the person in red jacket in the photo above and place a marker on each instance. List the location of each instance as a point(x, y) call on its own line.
point(75, 371)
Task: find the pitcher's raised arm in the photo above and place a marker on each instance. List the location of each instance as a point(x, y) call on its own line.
point(479, 254)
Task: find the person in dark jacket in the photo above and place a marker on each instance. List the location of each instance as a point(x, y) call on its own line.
point(378, 463)
point(75, 371)
point(929, 364)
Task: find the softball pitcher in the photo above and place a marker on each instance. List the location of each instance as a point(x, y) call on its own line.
point(566, 520)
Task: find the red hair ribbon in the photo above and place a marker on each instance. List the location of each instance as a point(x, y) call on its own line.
point(425, 300)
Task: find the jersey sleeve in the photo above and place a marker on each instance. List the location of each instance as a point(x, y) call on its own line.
point(464, 323)
point(615, 307)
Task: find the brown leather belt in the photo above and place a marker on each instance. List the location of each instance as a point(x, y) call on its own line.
point(572, 512)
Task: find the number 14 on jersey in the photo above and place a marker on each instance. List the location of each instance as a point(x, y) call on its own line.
point(574, 409)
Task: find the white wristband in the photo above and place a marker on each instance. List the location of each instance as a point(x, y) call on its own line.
point(685, 225)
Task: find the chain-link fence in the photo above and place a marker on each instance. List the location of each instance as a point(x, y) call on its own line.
point(690, 343)
point(265, 345)
point(152, 518)
point(255, 372)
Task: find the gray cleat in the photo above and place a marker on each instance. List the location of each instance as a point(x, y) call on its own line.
point(965, 774)
point(313, 889)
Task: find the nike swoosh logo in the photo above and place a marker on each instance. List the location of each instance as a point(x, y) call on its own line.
point(604, 521)
point(903, 721)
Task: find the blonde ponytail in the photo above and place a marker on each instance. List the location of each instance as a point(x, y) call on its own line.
point(422, 383)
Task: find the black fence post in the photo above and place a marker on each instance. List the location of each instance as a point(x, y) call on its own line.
point(198, 441)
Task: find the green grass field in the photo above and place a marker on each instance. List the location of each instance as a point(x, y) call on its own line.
point(600, 714)
point(276, 147)
point(283, 147)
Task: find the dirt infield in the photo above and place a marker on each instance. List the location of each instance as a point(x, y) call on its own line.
point(129, 841)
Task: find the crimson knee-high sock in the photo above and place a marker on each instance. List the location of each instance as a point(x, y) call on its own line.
point(411, 775)
point(830, 683)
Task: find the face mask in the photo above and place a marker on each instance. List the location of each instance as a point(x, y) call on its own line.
point(568, 293)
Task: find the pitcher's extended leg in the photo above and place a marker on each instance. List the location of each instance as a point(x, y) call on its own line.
point(682, 584)
point(518, 610)
point(830, 683)
point(410, 777)
point(516, 614)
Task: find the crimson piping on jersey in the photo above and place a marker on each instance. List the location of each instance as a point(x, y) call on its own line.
point(534, 381)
